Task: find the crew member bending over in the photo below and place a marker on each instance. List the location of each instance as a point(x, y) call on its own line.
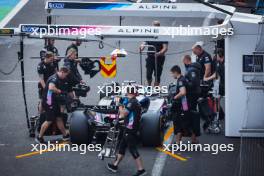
point(51, 104)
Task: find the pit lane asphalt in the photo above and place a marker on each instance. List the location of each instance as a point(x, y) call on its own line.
point(14, 138)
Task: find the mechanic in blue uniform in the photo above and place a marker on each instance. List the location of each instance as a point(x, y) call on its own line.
point(161, 48)
point(204, 59)
point(180, 107)
point(51, 47)
point(131, 113)
point(50, 103)
point(192, 76)
point(45, 69)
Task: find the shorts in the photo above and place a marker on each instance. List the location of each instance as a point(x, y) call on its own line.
point(129, 140)
point(181, 122)
point(150, 66)
point(192, 101)
point(52, 112)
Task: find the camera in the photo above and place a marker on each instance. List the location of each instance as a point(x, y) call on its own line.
point(81, 90)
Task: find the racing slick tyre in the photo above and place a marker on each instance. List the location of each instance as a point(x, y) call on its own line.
point(151, 130)
point(80, 130)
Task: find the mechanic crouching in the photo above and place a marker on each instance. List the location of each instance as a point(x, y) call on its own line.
point(131, 113)
point(51, 104)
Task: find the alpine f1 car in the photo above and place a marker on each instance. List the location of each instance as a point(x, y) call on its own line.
point(90, 123)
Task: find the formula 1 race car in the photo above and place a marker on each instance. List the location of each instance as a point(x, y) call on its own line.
point(93, 122)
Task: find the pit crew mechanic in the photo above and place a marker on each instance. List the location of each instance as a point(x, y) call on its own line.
point(51, 105)
point(180, 109)
point(74, 46)
point(71, 62)
point(204, 59)
point(220, 71)
point(131, 114)
point(192, 76)
point(50, 46)
point(45, 69)
point(161, 48)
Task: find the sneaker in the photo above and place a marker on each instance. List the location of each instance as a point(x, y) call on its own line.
point(66, 138)
point(40, 140)
point(140, 173)
point(112, 168)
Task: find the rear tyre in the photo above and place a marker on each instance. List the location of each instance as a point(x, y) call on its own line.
point(151, 130)
point(80, 130)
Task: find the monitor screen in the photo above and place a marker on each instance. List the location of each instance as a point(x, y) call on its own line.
point(253, 63)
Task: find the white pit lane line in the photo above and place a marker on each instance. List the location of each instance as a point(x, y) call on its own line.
point(13, 12)
point(161, 158)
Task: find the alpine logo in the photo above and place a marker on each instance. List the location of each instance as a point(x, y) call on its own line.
point(56, 5)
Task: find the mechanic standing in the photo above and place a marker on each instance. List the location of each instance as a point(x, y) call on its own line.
point(155, 50)
point(51, 47)
point(51, 105)
point(192, 76)
point(45, 68)
point(219, 75)
point(180, 107)
point(220, 72)
point(204, 59)
point(131, 113)
point(71, 62)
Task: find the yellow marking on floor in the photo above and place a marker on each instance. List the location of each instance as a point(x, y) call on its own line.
point(178, 157)
point(168, 134)
point(166, 137)
point(40, 152)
